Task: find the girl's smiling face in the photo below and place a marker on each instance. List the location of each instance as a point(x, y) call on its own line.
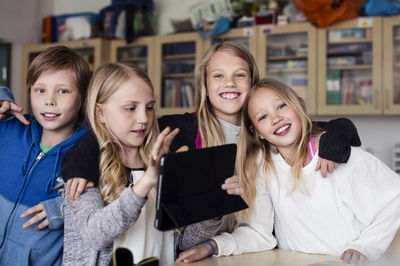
point(228, 82)
point(274, 120)
point(129, 112)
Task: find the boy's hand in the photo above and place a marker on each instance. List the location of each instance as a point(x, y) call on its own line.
point(326, 166)
point(196, 253)
point(8, 108)
point(352, 256)
point(232, 186)
point(75, 187)
point(39, 214)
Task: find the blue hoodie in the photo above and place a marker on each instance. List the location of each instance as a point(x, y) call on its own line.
point(28, 177)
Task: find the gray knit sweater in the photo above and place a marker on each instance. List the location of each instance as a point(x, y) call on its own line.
point(90, 227)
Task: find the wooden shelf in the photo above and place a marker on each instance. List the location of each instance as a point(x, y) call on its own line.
point(397, 65)
point(397, 38)
point(132, 59)
point(287, 70)
point(179, 56)
point(178, 75)
point(288, 57)
point(347, 41)
point(350, 67)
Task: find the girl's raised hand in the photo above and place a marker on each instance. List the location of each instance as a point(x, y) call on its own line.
point(160, 148)
point(8, 108)
point(232, 186)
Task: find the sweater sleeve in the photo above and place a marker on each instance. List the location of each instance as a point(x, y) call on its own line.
point(6, 94)
point(53, 208)
point(82, 160)
point(100, 225)
point(254, 233)
point(340, 135)
point(194, 234)
point(371, 190)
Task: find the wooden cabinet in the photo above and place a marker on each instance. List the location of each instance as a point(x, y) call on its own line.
point(391, 65)
point(350, 68)
point(176, 56)
point(288, 53)
point(96, 51)
point(244, 36)
point(140, 52)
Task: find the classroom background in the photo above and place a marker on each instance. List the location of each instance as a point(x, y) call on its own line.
point(349, 68)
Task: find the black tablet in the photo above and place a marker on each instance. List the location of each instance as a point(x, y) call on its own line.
point(189, 188)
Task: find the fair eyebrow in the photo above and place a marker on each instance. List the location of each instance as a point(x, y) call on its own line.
point(136, 102)
point(221, 70)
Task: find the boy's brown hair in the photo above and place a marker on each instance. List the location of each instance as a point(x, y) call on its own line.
point(61, 58)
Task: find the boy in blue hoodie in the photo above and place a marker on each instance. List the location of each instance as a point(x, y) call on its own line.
point(31, 154)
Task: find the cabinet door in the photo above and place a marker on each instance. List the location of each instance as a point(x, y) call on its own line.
point(391, 66)
point(176, 58)
point(349, 68)
point(95, 51)
point(140, 53)
point(288, 53)
point(244, 36)
point(5, 67)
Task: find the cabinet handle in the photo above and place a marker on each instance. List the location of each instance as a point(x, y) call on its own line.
point(387, 98)
point(376, 99)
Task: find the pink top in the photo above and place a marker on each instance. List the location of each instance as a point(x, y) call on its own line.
point(311, 148)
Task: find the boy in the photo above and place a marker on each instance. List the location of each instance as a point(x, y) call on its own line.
point(31, 155)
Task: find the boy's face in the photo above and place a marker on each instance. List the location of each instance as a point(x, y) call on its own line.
point(55, 102)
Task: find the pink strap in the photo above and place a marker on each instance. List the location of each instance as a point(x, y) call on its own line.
point(198, 141)
point(311, 148)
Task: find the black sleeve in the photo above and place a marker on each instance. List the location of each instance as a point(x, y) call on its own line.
point(187, 129)
point(82, 160)
point(340, 135)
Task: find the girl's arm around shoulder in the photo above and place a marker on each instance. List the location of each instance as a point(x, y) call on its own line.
point(335, 144)
point(100, 225)
point(82, 160)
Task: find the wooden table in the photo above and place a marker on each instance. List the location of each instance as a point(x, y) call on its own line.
point(276, 257)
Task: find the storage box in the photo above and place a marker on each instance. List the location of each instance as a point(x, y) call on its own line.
point(70, 27)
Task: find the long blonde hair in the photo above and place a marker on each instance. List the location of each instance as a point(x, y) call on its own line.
point(105, 82)
point(210, 130)
point(249, 145)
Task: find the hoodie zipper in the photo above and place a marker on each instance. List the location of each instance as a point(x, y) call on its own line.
point(19, 194)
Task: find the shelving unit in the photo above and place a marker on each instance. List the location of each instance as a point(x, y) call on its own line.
point(349, 68)
point(287, 53)
point(96, 51)
point(175, 58)
point(244, 36)
point(391, 66)
point(140, 52)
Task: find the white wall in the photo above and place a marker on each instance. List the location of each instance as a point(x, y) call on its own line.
point(22, 26)
point(378, 134)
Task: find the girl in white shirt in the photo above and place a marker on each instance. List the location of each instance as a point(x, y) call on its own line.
point(355, 213)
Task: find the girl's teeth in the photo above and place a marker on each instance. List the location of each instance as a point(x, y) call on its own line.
point(282, 129)
point(229, 95)
point(49, 115)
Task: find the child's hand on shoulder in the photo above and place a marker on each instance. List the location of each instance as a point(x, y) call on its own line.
point(354, 257)
point(76, 186)
point(326, 166)
point(8, 108)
